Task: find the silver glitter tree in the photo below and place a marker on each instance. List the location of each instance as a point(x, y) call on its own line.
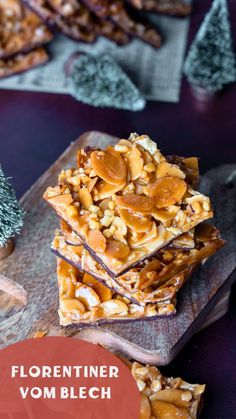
point(11, 215)
point(210, 63)
point(100, 81)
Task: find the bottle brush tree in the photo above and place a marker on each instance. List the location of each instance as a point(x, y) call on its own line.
point(210, 63)
point(11, 215)
point(100, 81)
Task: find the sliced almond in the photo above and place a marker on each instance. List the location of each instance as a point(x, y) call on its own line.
point(104, 292)
point(167, 191)
point(135, 162)
point(145, 408)
point(163, 410)
point(180, 398)
point(114, 307)
point(85, 198)
point(61, 200)
point(135, 202)
point(144, 238)
point(154, 266)
point(167, 169)
point(165, 214)
point(96, 240)
point(106, 190)
point(81, 158)
point(92, 183)
point(136, 222)
point(72, 305)
point(109, 166)
point(117, 250)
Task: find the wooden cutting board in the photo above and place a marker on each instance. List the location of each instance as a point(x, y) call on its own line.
point(33, 267)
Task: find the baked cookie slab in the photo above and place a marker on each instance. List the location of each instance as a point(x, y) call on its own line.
point(23, 62)
point(169, 7)
point(165, 397)
point(85, 300)
point(21, 30)
point(155, 280)
point(126, 202)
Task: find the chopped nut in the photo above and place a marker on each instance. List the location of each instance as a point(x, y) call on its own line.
point(121, 148)
point(156, 385)
point(40, 334)
point(71, 211)
point(94, 225)
point(94, 208)
point(85, 198)
point(150, 167)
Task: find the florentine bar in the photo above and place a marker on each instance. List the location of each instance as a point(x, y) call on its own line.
point(84, 299)
point(156, 279)
point(165, 397)
point(126, 202)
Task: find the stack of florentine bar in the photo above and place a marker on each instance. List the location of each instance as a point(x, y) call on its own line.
point(131, 231)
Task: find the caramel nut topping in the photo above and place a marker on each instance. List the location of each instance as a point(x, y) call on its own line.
point(109, 165)
point(96, 240)
point(136, 222)
point(180, 398)
point(135, 202)
point(116, 249)
point(167, 191)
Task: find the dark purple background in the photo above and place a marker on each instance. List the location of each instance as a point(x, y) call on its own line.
point(34, 130)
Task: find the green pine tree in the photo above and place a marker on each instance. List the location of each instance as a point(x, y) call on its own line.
point(210, 62)
point(99, 81)
point(11, 215)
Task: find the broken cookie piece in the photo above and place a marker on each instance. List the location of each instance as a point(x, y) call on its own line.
point(169, 7)
point(163, 397)
point(126, 202)
point(119, 15)
point(23, 62)
point(21, 30)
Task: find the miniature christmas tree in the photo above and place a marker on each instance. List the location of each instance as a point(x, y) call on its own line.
point(99, 81)
point(210, 63)
point(11, 215)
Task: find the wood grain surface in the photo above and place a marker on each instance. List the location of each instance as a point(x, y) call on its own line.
point(33, 266)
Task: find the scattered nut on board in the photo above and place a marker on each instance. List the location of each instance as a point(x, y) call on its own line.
point(40, 334)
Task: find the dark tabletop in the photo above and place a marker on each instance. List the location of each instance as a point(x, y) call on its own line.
point(36, 127)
